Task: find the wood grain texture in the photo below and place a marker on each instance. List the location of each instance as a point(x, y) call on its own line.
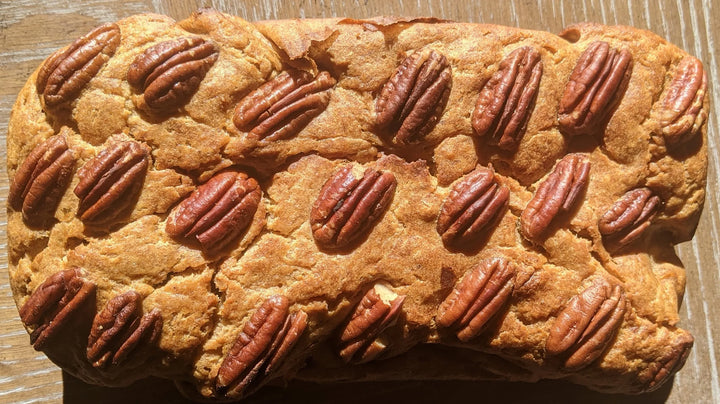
point(31, 30)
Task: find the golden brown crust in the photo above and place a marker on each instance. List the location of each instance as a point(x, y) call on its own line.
point(207, 298)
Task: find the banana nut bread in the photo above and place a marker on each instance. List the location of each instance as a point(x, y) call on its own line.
point(228, 204)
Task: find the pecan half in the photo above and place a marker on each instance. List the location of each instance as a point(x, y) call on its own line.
point(557, 193)
point(477, 297)
point(411, 101)
point(669, 363)
point(54, 304)
point(170, 72)
point(110, 178)
point(585, 327)
point(506, 101)
point(119, 329)
point(628, 218)
point(595, 86)
point(67, 71)
point(377, 310)
point(347, 207)
point(217, 211)
point(38, 183)
point(681, 110)
point(283, 106)
point(264, 343)
point(474, 204)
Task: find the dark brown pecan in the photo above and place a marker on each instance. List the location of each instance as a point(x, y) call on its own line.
point(557, 193)
point(506, 101)
point(217, 211)
point(170, 72)
point(594, 88)
point(681, 110)
point(110, 178)
point(377, 310)
point(39, 181)
point(119, 329)
point(67, 71)
point(54, 304)
point(283, 106)
point(585, 327)
point(264, 343)
point(478, 297)
point(628, 218)
point(347, 207)
point(672, 360)
point(413, 98)
point(474, 204)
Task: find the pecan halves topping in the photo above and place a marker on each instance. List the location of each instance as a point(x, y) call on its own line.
point(477, 297)
point(628, 218)
point(38, 183)
point(265, 341)
point(676, 353)
point(377, 310)
point(119, 330)
point(64, 74)
point(217, 211)
point(411, 101)
point(681, 110)
point(506, 101)
point(283, 106)
point(594, 88)
point(557, 193)
point(585, 327)
point(347, 206)
point(170, 72)
point(473, 205)
point(111, 178)
point(54, 304)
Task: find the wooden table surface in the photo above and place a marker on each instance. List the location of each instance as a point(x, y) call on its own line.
point(32, 29)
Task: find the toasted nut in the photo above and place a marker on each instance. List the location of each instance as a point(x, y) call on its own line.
point(507, 99)
point(628, 218)
point(558, 193)
point(585, 327)
point(64, 74)
point(283, 106)
point(477, 297)
point(671, 361)
point(682, 109)
point(595, 87)
point(170, 72)
point(347, 207)
point(412, 100)
point(38, 183)
point(54, 304)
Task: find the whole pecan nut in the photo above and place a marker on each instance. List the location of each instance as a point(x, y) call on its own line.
point(111, 178)
point(477, 298)
point(283, 106)
point(474, 204)
point(347, 207)
point(170, 72)
point(584, 328)
point(506, 101)
point(628, 218)
point(595, 87)
point(54, 304)
point(119, 330)
point(682, 112)
point(38, 183)
point(217, 211)
point(65, 73)
point(265, 341)
point(557, 193)
point(411, 101)
point(377, 310)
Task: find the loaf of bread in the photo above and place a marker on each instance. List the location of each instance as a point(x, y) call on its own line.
point(231, 204)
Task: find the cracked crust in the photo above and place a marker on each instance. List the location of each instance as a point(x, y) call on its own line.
point(206, 300)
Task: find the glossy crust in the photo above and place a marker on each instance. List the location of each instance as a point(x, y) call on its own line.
point(206, 299)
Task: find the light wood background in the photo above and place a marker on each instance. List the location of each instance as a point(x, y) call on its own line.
point(32, 29)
